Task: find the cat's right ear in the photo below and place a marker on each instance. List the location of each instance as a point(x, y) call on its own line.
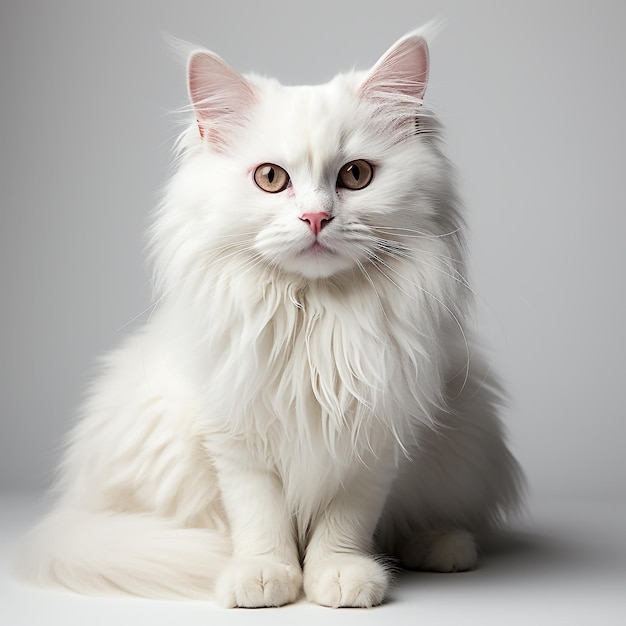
point(219, 94)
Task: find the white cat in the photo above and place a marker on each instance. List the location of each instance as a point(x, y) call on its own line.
point(305, 399)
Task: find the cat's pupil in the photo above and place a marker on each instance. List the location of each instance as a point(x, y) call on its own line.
point(270, 175)
point(355, 171)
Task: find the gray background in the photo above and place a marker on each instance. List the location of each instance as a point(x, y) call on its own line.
point(532, 97)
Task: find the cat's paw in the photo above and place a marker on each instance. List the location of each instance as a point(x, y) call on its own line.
point(251, 583)
point(453, 551)
point(351, 580)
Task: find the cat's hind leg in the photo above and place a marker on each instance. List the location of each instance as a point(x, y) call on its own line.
point(139, 508)
point(446, 551)
point(456, 483)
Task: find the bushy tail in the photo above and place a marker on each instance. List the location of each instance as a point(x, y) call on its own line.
point(100, 553)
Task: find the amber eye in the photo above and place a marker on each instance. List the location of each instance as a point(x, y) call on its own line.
point(271, 178)
point(355, 175)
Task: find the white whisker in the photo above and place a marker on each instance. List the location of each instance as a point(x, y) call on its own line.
point(418, 234)
point(198, 269)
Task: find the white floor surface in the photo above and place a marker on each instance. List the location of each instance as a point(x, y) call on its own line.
point(564, 563)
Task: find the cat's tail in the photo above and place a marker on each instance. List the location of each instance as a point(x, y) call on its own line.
point(105, 553)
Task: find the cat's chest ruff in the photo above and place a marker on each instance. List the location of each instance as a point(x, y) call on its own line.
point(323, 356)
point(320, 373)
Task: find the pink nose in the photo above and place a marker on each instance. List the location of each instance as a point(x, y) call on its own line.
point(316, 221)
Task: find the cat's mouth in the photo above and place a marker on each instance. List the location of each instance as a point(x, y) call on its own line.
point(316, 260)
point(317, 249)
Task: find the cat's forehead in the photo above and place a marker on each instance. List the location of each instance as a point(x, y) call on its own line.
point(316, 100)
point(311, 125)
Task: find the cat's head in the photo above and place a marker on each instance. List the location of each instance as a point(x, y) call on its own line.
point(313, 180)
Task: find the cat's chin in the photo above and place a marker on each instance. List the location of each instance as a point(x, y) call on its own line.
point(315, 264)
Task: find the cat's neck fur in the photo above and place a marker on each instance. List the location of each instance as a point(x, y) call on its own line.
point(334, 352)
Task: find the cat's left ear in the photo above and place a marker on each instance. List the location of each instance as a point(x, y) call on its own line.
point(402, 69)
point(220, 95)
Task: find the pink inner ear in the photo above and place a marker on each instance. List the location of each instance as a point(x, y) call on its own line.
point(402, 69)
point(218, 93)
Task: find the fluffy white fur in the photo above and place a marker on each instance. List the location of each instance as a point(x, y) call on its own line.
point(290, 412)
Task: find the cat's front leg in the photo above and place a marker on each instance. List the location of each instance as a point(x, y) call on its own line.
point(265, 568)
point(339, 569)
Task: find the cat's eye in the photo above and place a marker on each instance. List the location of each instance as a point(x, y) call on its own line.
point(355, 175)
point(271, 178)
